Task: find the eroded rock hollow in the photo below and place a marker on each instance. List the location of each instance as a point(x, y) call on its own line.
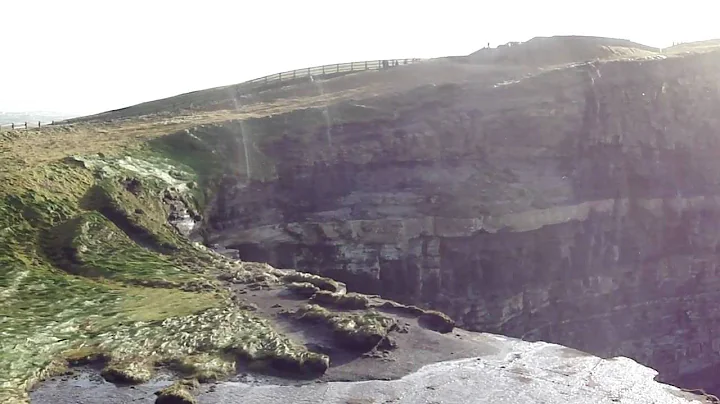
point(578, 205)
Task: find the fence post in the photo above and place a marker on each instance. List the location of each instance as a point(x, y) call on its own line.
point(337, 67)
point(25, 125)
point(266, 79)
point(279, 76)
point(294, 73)
point(323, 69)
point(38, 124)
point(12, 126)
point(366, 65)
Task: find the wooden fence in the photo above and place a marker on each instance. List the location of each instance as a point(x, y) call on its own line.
point(25, 125)
point(325, 70)
point(308, 72)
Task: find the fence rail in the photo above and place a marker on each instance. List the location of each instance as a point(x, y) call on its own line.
point(26, 125)
point(336, 68)
point(308, 72)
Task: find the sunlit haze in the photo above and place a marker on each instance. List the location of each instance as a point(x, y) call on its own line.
point(89, 56)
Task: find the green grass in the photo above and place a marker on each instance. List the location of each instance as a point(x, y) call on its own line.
point(200, 156)
point(91, 245)
point(89, 268)
point(139, 214)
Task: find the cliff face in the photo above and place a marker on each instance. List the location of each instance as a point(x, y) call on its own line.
point(578, 205)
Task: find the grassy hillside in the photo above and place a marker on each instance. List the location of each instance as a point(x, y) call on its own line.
point(91, 270)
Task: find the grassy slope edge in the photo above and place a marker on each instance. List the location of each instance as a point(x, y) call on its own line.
point(91, 270)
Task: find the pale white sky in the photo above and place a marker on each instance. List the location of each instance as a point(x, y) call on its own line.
point(90, 56)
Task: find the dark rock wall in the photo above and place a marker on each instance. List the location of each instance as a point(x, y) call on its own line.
point(579, 206)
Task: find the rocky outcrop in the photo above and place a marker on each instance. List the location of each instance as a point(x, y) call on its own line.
point(509, 371)
point(177, 393)
point(576, 205)
point(520, 372)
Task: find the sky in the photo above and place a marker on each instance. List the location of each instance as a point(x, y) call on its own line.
point(82, 57)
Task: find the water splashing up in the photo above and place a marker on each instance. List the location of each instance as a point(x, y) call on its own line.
point(243, 137)
point(326, 114)
point(245, 148)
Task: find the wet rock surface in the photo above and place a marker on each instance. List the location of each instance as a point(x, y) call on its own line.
point(181, 216)
point(511, 371)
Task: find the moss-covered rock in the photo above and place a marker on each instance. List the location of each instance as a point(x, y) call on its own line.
point(177, 393)
point(436, 321)
point(319, 281)
point(395, 307)
point(316, 364)
point(310, 365)
point(304, 289)
point(361, 331)
point(204, 367)
point(350, 301)
point(131, 371)
point(253, 275)
point(431, 319)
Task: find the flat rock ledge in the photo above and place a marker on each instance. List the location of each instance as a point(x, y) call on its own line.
point(512, 372)
point(519, 373)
